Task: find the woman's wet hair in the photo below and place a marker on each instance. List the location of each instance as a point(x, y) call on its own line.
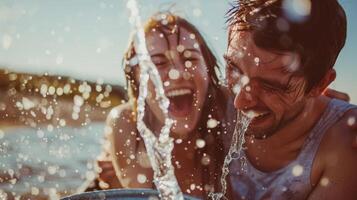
point(317, 36)
point(215, 103)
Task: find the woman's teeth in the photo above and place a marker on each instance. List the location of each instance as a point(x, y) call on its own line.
point(179, 92)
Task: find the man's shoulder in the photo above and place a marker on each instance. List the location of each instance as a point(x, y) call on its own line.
point(340, 137)
point(344, 129)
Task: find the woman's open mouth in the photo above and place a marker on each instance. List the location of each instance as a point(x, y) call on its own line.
point(181, 102)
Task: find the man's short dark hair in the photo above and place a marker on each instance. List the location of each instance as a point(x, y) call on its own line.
point(318, 38)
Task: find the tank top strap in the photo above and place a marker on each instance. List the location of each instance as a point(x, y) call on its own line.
point(333, 112)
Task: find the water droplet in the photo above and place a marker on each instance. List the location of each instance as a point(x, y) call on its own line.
point(192, 36)
point(6, 41)
point(244, 80)
point(35, 191)
point(52, 170)
point(236, 89)
point(192, 186)
point(297, 170)
point(180, 48)
point(324, 181)
point(297, 10)
point(59, 59)
point(40, 134)
point(141, 178)
point(205, 160)
point(187, 54)
point(188, 64)
point(212, 123)
point(166, 83)
point(197, 12)
point(78, 100)
point(174, 74)
point(196, 45)
point(62, 122)
point(200, 143)
point(257, 61)
point(351, 121)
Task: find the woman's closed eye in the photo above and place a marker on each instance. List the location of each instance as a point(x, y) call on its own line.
point(159, 60)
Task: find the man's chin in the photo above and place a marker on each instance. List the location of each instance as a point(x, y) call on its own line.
point(259, 132)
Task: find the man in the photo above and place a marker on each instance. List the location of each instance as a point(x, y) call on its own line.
point(280, 60)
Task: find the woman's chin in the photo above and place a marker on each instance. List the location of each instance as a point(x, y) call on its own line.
point(181, 131)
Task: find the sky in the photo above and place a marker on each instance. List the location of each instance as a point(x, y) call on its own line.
point(86, 38)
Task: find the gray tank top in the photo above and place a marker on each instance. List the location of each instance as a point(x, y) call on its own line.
point(292, 181)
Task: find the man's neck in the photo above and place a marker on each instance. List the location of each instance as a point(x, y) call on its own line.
point(285, 144)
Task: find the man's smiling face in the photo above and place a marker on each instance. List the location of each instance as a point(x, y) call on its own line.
point(266, 84)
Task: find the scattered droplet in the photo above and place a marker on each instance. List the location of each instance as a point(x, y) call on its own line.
point(35, 191)
point(257, 61)
point(197, 12)
point(200, 143)
point(212, 123)
point(188, 64)
point(141, 178)
point(351, 121)
point(324, 181)
point(297, 170)
point(244, 80)
point(180, 48)
point(166, 83)
point(6, 41)
point(174, 74)
point(297, 10)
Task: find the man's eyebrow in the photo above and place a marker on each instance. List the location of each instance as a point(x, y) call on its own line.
point(272, 82)
point(158, 55)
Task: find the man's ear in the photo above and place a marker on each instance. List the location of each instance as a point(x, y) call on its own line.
point(320, 88)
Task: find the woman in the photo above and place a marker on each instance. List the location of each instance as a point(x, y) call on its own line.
point(197, 103)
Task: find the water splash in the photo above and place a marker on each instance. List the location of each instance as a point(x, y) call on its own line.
point(235, 149)
point(158, 149)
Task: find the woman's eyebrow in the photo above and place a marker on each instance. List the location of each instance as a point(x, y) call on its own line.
point(193, 50)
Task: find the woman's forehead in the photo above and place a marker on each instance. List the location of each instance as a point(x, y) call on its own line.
point(177, 38)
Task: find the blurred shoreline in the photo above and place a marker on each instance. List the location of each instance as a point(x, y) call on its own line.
point(32, 100)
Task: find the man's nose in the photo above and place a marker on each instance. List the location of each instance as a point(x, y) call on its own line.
point(245, 99)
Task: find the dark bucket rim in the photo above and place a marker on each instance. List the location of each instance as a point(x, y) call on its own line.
point(113, 193)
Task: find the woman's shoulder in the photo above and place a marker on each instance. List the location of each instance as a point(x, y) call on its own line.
point(121, 123)
point(121, 114)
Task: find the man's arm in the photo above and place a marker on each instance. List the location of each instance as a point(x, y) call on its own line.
point(339, 177)
point(336, 94)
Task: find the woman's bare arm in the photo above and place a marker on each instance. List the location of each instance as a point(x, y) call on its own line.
point(127, 150)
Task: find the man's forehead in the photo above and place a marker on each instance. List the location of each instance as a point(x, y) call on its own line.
point(242, 48)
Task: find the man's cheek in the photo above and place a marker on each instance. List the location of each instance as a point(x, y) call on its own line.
point(275, 105)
